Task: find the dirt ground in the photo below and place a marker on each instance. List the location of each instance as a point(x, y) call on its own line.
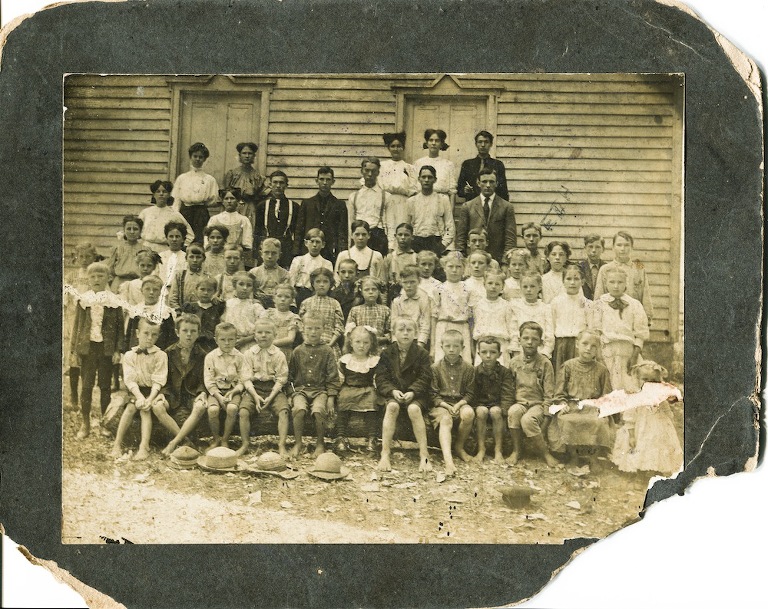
point(152, 502)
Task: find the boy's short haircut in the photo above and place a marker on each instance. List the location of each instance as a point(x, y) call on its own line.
point(263, 321)
point(148, 256)
point(325, 170)
point(233, 247)
point(372, 160)
point(452, 255)
point(222, 229)
point(531, 274)
point(529, 225)
point(197, 248)
point(624, 234)
point(348, 262)
point(143, 321)
point(407, 225)
point(613, 271)
point(498, 273)
point(592, 237)
point(286, 287)
point(485, 134)
point(588, 332)
point(452, 334)
point(553, 244)
point(188, 318)
point(314, 232)
point(208, 282)
point(152, 279)
point(224, 326)
point(486, 171)
point(311, 318)
point(486, 256)
point(179, 226)
point(478, 231)
point(99, 267)
point(398, 322)
point(489, 340)
point(531, 325)
point(273, 242)
point(321, 272)
point(409, 271)
point(241, 276)
point(279, 173)
point(428, 168)
point(427, 255)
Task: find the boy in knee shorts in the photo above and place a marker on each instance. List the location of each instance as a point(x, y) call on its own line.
point(403, 378)
point(314, 376)
point(534, 391)
point(452, 380)
point(184, 390)
point(267, 375)
point(492, 393)
point(224, 375)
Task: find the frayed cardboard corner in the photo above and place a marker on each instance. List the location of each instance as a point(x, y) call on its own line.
point(92, 597)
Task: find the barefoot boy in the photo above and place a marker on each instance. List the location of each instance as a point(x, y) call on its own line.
point(267, 375)
point(404, 377)
point(534, 390)
point(224, 374)
point(314, 375)
point(452, 380)
point(493, 392)
point(185, 391)
point(145, 371)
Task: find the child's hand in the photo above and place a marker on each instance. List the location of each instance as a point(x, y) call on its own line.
point(398, 395)
point(116, 357)
point(139, 403)
point(258, 403)
point(408, 397)
point(454, 410)
point(221, 399)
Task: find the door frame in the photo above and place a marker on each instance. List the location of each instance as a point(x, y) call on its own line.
point(257, 85)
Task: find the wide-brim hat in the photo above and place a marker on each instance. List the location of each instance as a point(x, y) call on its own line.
point(220, 459)
point(328, 467)
point(272, 464)
point(516, 496)
point(185, 457)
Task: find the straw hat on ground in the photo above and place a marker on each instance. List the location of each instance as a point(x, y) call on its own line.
point(272, 464)
point(220, 459)
point(516, 496)
point(184, 457)
point(328, 467)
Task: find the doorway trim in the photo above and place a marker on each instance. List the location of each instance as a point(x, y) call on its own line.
point(257, 85)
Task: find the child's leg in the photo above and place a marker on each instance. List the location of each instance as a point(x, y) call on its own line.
point(497, 421)
point(115, 377)
point(445, 426)
point(319, 412)
point(122, 428)
point(245, 430)
point(342, 423)
point(299, 412)
point(514, 417)
point(229, 421)
point(74, 381)
point(387, 433)
point(213, 420)
point(369, 421)
point(531, 423)
point(160, 409)
point(88, 374)
point(280, 405)
point(466, 418)
point(199, 408)
point(105, 382)
point(146, 434)
point(481, 418)
point(420, 431)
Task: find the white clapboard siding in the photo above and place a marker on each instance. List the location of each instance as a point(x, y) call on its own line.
point(584, 153)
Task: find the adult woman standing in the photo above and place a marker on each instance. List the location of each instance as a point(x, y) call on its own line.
point(195, 190)
point(398, 178)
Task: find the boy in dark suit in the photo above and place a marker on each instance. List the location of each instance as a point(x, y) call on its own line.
point(593, 247)
point(325, 212)
point(404, 378)
point(468, 187)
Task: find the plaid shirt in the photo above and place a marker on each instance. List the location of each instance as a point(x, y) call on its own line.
point(327, 309)
point(376, 316)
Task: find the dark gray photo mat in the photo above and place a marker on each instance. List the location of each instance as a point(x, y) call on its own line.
point(723, 260)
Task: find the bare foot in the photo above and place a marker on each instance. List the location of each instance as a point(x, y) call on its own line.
point(425, 465)
point(551, 461)
point(513, 458)
point(319, 449)
point(297, 450)
point(479, 456)
point(214, 443)
point(450, 469)
point(242, 450)
point(463, 455)
point(141, 454)
point(282, 452)
point(116, 452)
point(166, 452)
point(384, 465)
point(498, 458)
point(83, 432)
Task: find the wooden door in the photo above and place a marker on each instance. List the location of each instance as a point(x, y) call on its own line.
point(461, 118)
point(220, 121)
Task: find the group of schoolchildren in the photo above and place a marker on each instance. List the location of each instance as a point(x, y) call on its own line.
point(455, 342)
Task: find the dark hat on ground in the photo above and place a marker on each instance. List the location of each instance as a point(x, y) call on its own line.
point(328, 467)
point(185, 456)
point(272, 464)
point(220, 459)
point(516, 496)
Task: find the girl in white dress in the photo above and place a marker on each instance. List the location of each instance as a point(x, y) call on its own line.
point(397, 178)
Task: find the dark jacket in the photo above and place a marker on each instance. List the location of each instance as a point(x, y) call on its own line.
point(415, 373)
point(501, 227)
point(588, 286)
point(167, 333)
point(111, 331)
point(332, 221)
point(282, 227)
point(185, 382)
point(470, 170)
point(492, 388)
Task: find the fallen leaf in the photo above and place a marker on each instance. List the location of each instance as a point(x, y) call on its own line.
point(534, 517)
point(440, 477)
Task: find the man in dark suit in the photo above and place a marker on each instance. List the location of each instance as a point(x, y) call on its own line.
point(276, 217)
point(326, 212)
point(491, 212)
point(470, 170)
point(593, 247)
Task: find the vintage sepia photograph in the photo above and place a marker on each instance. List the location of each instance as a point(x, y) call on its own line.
point(369, 308)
